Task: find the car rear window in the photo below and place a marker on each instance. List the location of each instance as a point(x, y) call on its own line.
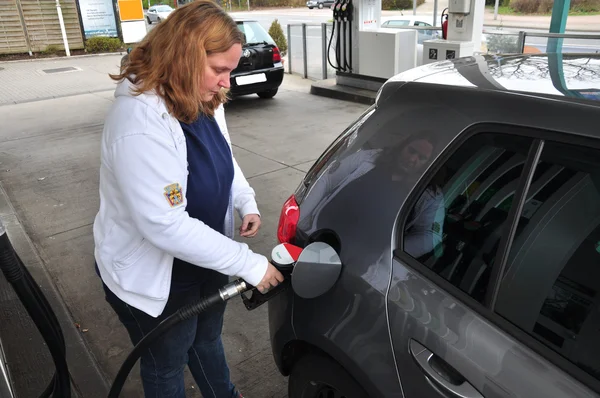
point(397, 23)
point(255, 33)
point(339, 144)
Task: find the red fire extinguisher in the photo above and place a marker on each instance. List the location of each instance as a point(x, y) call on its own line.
point(445, 24)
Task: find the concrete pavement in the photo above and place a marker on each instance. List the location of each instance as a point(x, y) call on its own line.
point(49, 159)
point(35, 80)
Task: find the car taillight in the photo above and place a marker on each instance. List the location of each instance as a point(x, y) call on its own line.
point(288, 220)
point(276, 55)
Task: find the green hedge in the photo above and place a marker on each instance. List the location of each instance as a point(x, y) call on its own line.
point(147, 3)
point(399, 4)
point(545, 6)
point(276, 32)
point(103, 44)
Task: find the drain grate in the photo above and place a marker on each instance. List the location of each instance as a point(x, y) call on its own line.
point(60, 70)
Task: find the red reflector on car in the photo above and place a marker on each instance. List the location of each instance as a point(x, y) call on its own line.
point(288, 220)
point(276, 55)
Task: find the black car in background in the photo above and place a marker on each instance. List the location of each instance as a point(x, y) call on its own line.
point(260, 70)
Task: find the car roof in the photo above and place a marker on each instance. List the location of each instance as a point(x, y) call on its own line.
point(410, 18)
point(571, 77)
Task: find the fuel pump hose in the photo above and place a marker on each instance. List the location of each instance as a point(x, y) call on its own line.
point(225, 293)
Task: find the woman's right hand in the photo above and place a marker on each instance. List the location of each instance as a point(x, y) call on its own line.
point(271, 279)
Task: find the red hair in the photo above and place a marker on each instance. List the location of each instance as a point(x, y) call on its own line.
point(171, 59)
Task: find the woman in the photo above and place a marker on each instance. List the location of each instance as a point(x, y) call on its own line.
point(168, 187)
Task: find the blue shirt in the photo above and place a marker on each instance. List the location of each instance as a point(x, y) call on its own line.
point(210, 167)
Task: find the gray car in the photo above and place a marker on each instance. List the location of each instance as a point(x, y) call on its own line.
point(6, 389)
point(465, 208)
point(158, 13)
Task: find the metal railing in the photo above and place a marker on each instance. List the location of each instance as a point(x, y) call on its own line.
point(309, 47)
point(558, 37)
point(298, 51)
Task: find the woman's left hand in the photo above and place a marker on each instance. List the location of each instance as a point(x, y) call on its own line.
point(250, 225)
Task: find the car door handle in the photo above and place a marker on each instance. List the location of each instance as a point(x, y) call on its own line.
point(442, 374)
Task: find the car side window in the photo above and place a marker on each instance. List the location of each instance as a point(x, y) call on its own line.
point(551, 284)
point(455, 226)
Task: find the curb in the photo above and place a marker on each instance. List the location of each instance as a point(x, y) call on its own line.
point(328, 88)
point(26, 341)
point(57, 96)
point(62, 57)
point(505, 25)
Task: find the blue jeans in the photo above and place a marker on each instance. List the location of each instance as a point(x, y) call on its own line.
point(195, 342)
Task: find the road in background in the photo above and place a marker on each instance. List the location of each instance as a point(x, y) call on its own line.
point(314, 42)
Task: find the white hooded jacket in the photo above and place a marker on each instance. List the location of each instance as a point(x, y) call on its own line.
point(142, 223)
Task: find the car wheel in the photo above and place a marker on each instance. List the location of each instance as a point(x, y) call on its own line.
point(158, 20)
point(318, 376)
point(267, 94)
point(320, 5)
point(149, 20)
point(310, 8)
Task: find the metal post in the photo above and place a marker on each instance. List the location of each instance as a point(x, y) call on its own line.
point(289, 49)
point(558, 23)
point(521, 41)
point(435, 10)
point(117, 12)
point(496, 9)
point(324, 49)
point(414, 7)
point(62, 28)
point(24, 25)
point(248, 5)
point(304, 57)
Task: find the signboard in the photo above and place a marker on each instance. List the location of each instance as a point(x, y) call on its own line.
point(131, 10)
point(98, 18)
point(133, 24)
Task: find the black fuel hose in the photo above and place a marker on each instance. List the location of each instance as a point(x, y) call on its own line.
point(40, 312)
point(329, 49)
point(182, 314)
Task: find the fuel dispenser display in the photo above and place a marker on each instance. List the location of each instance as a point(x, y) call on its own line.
point(309, 272)
point(343, 11)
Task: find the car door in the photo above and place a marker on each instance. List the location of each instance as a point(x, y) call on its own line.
point(455, 331)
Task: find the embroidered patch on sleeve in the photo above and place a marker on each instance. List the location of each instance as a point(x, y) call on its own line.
point(174, 194)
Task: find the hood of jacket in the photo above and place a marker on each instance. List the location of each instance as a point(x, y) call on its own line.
point(126, 89)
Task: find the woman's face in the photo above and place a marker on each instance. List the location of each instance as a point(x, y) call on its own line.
point(414, 156)
point(217, 71)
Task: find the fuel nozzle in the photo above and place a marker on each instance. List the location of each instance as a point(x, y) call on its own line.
point(283, 257)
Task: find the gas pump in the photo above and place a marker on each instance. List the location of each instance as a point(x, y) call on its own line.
point(342, 23)
point(347, 10)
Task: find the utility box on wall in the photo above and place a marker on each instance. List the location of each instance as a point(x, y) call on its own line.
point(441, 50)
